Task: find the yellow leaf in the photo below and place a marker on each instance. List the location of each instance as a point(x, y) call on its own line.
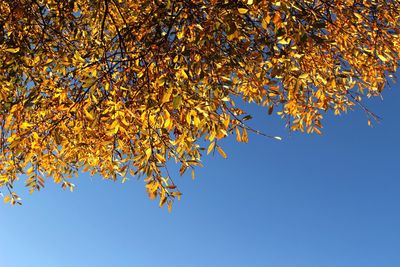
point(166, 96)
point(238, 136)
point(71, 187)
point(245, 137)
point(243, 10)
point(182, 73)
point(221, 152)
point(169, 206)
point(180, 34)
point(303, 76)
point(167, 123)
point(359, 16)
point(264, 24)
point(382, 58)
point(197, 58)
point(284, 41)
point(26, 125)
point(87, 114)
point(13, 50)
point(29, 171)
point(7, 199)
point(162, 201)
point(160, 158)
point(210, 148)
point(148, 153)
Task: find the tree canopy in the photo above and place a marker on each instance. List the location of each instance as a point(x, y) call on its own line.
point(123, 87)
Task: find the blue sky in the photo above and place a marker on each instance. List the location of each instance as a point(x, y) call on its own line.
point(330, 200)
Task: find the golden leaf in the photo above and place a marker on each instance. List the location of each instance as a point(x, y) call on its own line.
point(243, 10)
point(210, 147)
point(221, 152)
point(13, 50)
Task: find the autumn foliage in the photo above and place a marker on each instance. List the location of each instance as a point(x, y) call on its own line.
point(123, 87)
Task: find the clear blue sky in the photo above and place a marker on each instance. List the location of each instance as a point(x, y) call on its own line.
point(324, 201)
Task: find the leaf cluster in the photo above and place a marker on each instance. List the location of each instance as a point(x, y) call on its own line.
point(122, 87)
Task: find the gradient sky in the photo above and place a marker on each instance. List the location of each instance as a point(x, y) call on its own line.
point(324, 201)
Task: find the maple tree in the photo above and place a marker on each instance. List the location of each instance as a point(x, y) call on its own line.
point(123, 87)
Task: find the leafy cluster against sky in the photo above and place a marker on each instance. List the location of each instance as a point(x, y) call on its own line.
point(122, 87)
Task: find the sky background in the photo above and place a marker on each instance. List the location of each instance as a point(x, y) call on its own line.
point(330, 200)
